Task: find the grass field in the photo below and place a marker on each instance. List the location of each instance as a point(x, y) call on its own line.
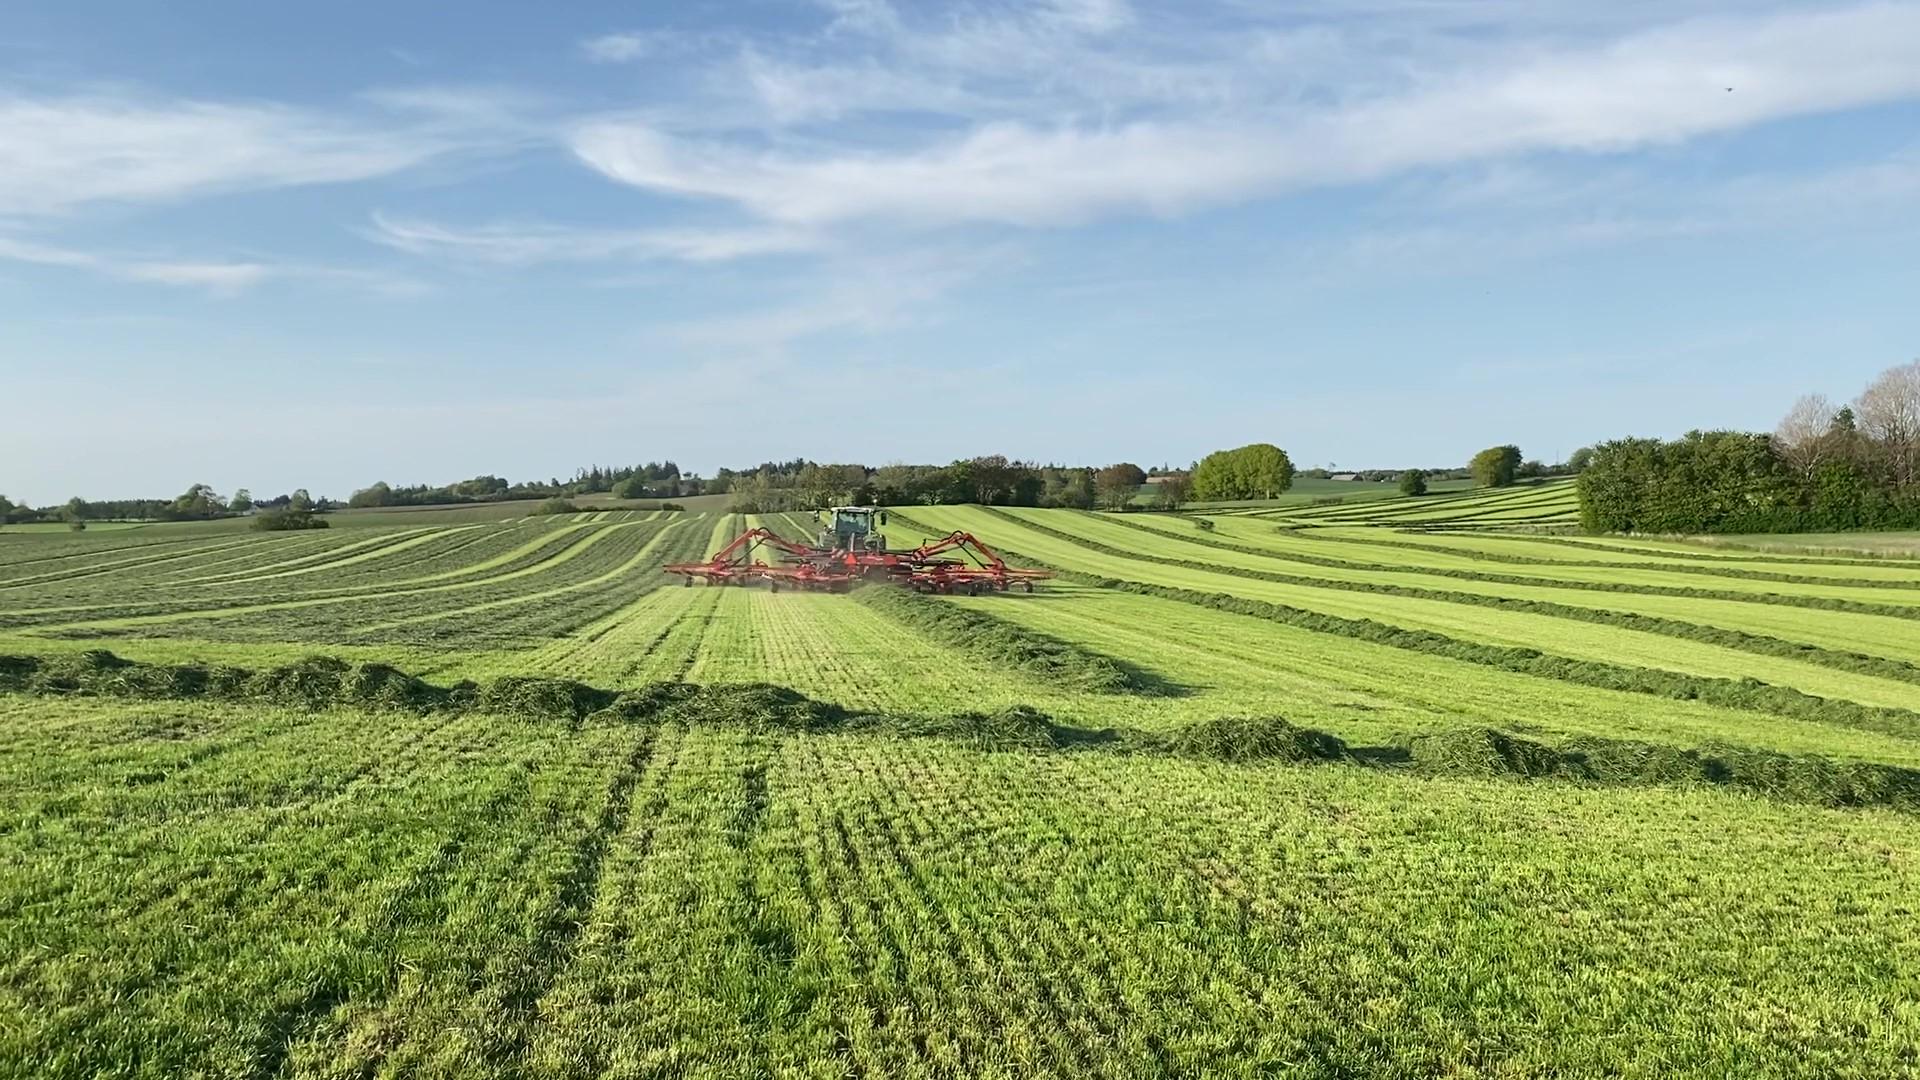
point(1380, 789)
point(1308, 490)
point(1535, 504)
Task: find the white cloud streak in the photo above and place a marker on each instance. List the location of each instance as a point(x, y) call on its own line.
point(518, 244)
point(1656, 87)
point(219, 278)
point(60, 153)
point(224, 278)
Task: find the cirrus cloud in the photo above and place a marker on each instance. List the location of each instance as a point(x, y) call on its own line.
point(1690, 79)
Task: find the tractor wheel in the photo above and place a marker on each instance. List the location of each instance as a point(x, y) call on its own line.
point(687, 581)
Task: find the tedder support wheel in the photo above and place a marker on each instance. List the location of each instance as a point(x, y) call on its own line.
point(1027, 585)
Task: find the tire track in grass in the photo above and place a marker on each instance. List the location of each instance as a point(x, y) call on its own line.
point(584, 652)
point(582, 890)
point(657, 655)
point(697, 654)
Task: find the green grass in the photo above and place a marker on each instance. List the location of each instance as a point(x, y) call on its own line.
point(1531, 504)
point(1309, 491)
point(1321, 790)
point(1899, 545)
point(239, 892)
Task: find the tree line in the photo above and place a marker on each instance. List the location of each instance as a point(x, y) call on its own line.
point(1254, 471)
point(990, 480)
point(654, 480)
point(200, 502)
point(1826, 467)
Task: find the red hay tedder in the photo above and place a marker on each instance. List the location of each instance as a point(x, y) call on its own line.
point(852, 552)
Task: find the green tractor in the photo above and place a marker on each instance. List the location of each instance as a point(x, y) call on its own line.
point(852, 528)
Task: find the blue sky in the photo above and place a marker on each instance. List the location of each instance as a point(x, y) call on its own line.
point(266, 246)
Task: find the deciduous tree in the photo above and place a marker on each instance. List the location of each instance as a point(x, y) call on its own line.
point(1803, 435)
point(1888, 414)
point(1117, 484)
point(1171, 492)
point(1495, 466)
point(1254, 471)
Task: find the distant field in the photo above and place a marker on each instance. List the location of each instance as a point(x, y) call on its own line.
point(1528, 504)
point(1307, 490)
point(1901, 544)
point(1380, 789)
point(63, 527)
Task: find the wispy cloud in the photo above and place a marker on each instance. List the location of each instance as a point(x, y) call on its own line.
point(220, 278)
point(649, 45)
point(1653, 87)
point(62, 152)
point(862, 294)
point(514, 244)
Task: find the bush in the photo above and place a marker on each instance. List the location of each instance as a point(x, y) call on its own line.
point(1413, 482)
point(288, 520)
point(556, 506)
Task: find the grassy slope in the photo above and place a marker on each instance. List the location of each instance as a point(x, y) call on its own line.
point(1521, 629)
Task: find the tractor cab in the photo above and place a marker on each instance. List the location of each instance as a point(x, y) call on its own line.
point(853, 528)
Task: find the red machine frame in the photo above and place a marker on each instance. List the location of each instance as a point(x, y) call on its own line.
point(927, 568)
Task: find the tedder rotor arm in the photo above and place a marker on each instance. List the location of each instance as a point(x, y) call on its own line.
point(755, 537)
point(965, 543)
point(990, 571)
point(737, 556)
